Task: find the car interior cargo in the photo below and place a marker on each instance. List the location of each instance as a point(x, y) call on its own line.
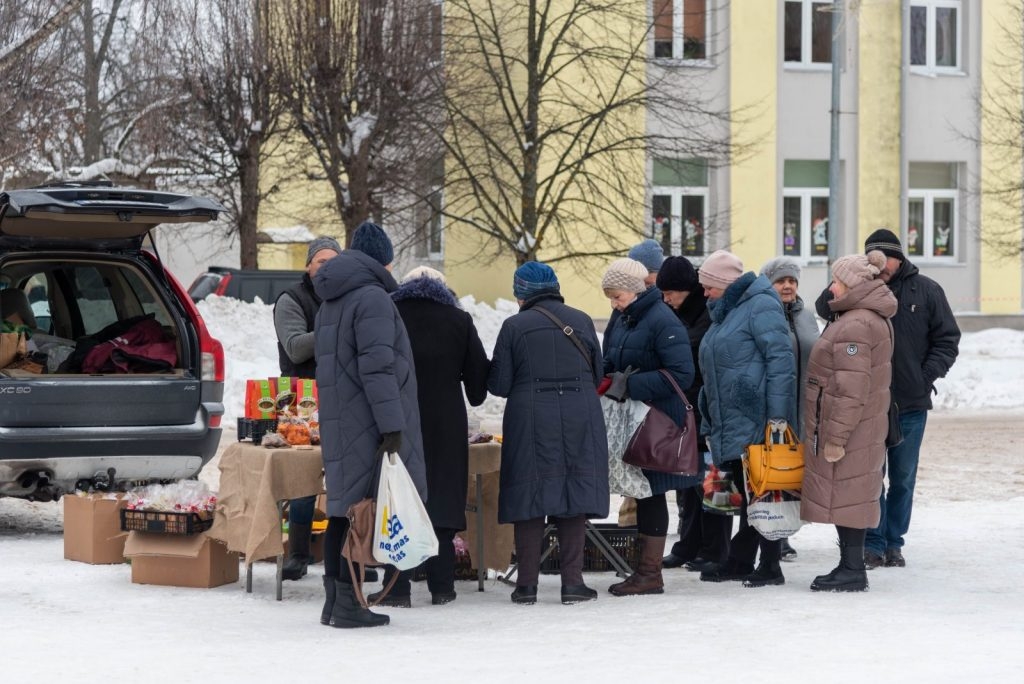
point(108, 374)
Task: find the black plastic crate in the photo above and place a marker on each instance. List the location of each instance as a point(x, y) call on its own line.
point(622, 539)
point(255, 428)
point(165, 522)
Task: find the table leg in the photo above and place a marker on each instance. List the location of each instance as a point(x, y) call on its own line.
point(481, 569)
point(248, 576)
point(280, 556)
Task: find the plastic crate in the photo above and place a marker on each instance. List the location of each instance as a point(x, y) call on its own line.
point(622, 539)
point(165, 522)
point(255, 428)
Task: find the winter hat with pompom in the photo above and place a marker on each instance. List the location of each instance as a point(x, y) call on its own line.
point(858, 268)
point(626, 275)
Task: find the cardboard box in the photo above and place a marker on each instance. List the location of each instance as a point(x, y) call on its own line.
point(92, 528)
point(180, 561)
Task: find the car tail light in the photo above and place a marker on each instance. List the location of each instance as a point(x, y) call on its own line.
point(211, 352)
point(222, 286)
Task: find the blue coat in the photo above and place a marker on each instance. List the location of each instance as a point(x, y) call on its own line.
point(749, 369)
point(649, 336)
point(365, 377)
point(554, 452)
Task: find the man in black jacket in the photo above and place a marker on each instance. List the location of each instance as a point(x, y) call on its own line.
point(926, 344)
point(294, 315)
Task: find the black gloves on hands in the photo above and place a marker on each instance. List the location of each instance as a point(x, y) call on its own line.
point(390, 443)
point(619, 389)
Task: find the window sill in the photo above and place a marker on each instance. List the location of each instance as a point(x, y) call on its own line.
point(676, 63)
point(935, 72)
point(815, 67)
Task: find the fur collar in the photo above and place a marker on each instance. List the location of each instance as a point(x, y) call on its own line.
point(426, 288)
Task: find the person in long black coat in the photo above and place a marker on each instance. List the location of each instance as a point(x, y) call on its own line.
point(448, 357)
point(554, 456)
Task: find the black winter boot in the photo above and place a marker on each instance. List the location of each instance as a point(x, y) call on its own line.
point(851, 573)
point(768, 572)
point(298, 551)
point(348, 613)
point(330, 591)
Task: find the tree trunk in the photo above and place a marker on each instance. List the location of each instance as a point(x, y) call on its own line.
point(249, 204)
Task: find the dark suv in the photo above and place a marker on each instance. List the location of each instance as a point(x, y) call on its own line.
point(244, 284)
point(72, 262)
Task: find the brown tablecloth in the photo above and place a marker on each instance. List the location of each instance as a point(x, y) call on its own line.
point(499, 540)
point(252, 480)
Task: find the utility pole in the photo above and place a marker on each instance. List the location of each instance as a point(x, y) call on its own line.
point(834, 222)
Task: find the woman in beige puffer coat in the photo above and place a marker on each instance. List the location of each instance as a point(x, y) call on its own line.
point(846, 404)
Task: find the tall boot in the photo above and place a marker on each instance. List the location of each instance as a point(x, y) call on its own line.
point(348, 612)
point(768, 571)
point(298, 551)
point(330, 593)
point(851, 574)
point(647, 578)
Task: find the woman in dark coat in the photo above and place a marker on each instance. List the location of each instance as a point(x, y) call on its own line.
point(367, 386)
point(703, 536)
point(554, 455)
point(644, 339)
point(449, 357)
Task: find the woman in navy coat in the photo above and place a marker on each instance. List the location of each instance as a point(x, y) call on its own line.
point(644, 339)
point(554, 453)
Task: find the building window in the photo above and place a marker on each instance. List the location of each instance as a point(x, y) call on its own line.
point(808, 32)
point(805, 208)
point(931, 210)
point(680, 29)
point(935, 35)
point(430, 218)
point(679, 200)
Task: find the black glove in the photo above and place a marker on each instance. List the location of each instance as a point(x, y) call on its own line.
point(390, 443)
point(619, 389)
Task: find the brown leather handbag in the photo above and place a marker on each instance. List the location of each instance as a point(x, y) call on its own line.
point(662, 446)
point(358, 546)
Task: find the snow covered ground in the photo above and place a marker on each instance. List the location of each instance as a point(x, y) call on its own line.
point(953, 614)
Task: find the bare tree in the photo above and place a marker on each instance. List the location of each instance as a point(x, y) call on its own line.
point(1001, 104)
point(230, 118)
point(550, 107)
point(361, 80)
point(16, 46)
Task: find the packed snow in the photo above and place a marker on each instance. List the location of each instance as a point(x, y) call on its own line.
point(952, 615)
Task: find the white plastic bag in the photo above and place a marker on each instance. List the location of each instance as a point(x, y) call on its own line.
point(621, 420)
point(402, 536)
point(775, 514)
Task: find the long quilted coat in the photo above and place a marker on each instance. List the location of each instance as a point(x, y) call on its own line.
point(554, 452)
point(365, 377)
point(648, 336)
point(846, 402)
point(749, 371)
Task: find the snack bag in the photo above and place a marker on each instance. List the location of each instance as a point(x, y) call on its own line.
point(284, 395)
point(259, 401)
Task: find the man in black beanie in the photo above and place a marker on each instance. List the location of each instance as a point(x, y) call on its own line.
point(926, 343)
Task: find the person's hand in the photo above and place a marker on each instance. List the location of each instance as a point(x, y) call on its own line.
point(606, 382)
point(778, 426)
point(619, 387)
point(833, 452)
point(390, 443)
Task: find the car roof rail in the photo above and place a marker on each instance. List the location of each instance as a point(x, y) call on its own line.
point(95, 183)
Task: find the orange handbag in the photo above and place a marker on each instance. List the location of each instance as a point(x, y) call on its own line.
point(775, 467)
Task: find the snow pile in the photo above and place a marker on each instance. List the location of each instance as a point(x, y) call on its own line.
point(290, 234)
point(987, 374)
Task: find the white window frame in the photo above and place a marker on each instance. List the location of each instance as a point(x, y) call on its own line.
point(676, 193)
point(806, 39)
point(929, 66)
point(805, 195)
point(678, 35)
point(431, 254)
point(928, 237)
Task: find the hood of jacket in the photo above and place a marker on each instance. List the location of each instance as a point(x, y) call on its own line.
point(349, 271)
point(425, 287)
point(746, 286)
point(872, 295)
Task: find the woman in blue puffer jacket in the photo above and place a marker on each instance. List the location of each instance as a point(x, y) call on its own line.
point(749, 372)
point(644, 339)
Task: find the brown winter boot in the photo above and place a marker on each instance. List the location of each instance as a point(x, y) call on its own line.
point(647, 578)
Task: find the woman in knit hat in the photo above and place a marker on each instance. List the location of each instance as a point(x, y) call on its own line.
point(784, 274)
point(846, 406)
point(749, 384)
point(703, 536)
point(554, 452)
point(645, 338)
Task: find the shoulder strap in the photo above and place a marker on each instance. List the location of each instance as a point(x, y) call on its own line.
point(569, 332)
point(675, 386)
